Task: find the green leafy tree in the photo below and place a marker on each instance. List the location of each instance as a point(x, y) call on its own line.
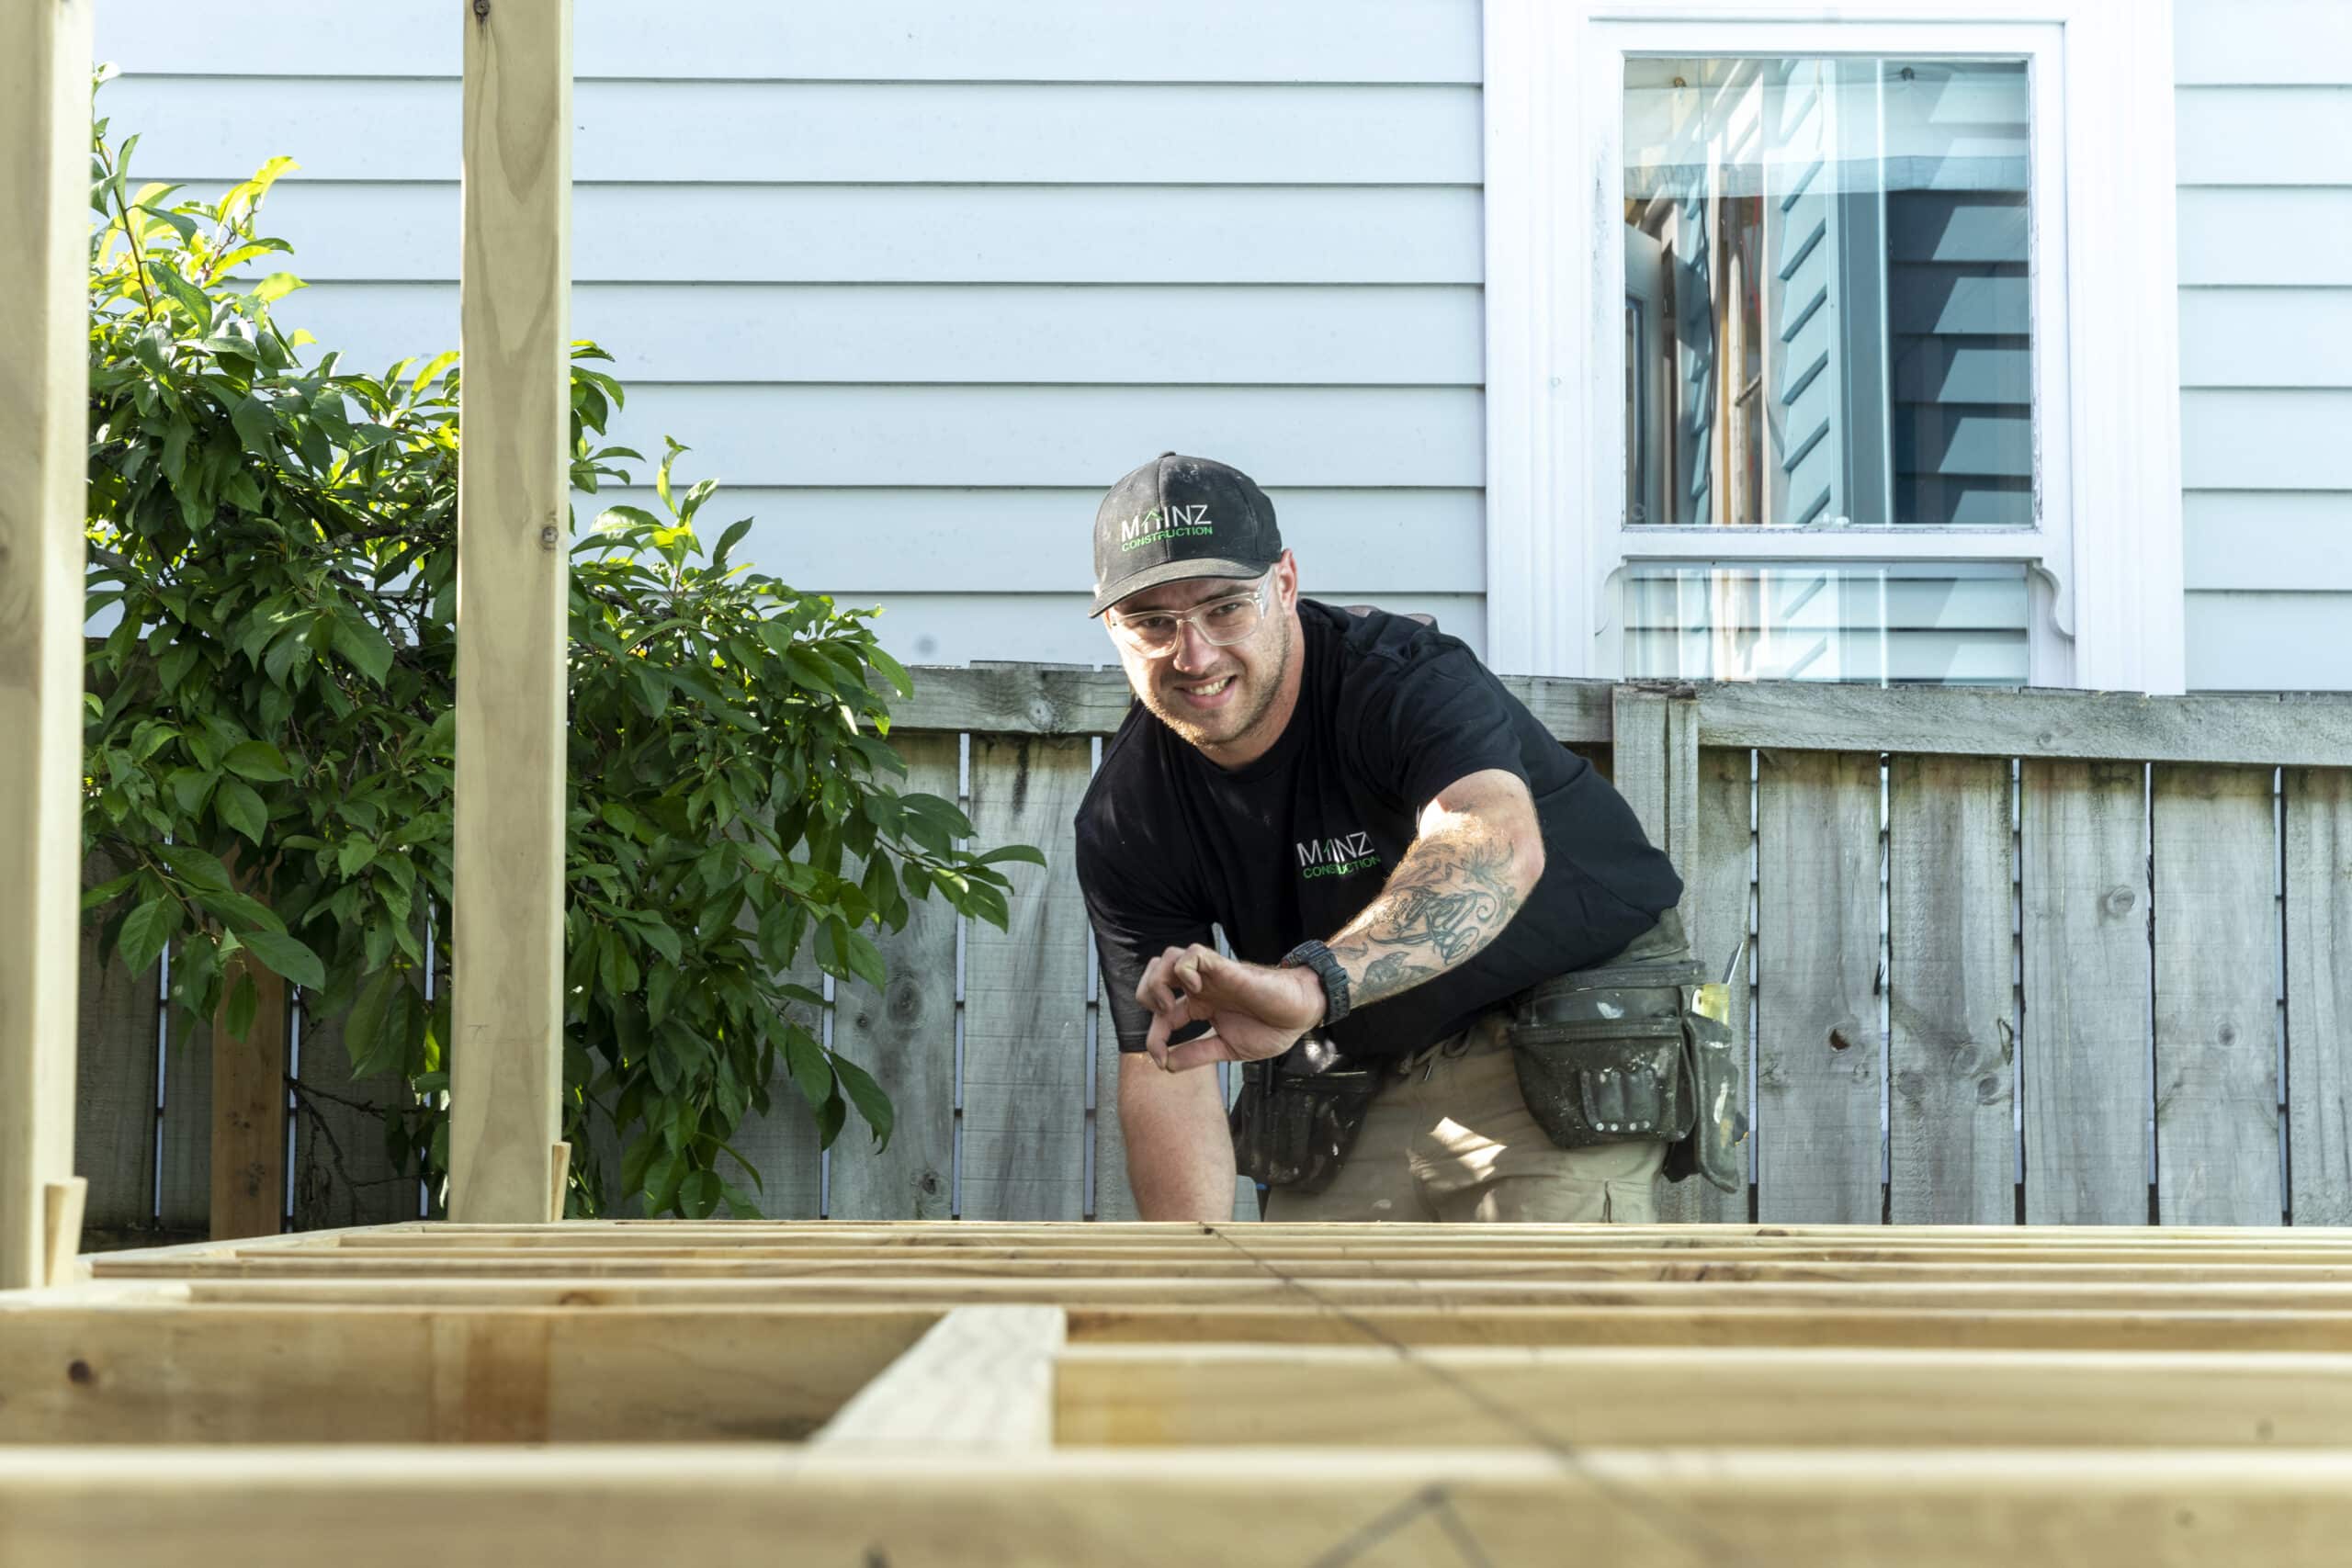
point(270, 725)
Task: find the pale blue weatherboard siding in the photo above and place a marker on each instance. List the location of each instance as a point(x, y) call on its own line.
point(917, 279)
point(2265, 107)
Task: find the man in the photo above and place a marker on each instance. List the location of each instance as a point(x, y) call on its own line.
point(1360, 784)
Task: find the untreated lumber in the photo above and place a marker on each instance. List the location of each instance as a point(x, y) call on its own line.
point(513, 487)
point(387, 1507)
point(44, 406)
point(1301, 1396)
point(146, 1370)
point(982, 1380)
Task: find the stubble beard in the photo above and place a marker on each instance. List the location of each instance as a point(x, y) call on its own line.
point(1253, 700)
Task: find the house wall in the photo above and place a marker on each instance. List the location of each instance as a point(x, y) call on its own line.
point(919, 279)
point(2264, 123)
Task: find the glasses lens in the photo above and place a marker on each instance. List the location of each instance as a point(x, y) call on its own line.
point(1223, 622)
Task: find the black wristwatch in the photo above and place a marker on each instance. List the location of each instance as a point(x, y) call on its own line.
point(1316, 956)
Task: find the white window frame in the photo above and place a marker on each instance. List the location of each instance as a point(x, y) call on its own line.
point(2105, 561)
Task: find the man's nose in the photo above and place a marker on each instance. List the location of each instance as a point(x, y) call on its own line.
point(1193, 648)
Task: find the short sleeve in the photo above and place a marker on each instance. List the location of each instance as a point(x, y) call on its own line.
point(1133, 924)
point(1428, 719)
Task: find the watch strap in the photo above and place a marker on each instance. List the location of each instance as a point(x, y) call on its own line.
point(1312, 954)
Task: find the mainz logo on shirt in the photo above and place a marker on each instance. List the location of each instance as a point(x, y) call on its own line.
point(1342, 856)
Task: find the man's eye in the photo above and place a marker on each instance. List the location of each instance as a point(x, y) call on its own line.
point(1227, 610)
point(1153, 625)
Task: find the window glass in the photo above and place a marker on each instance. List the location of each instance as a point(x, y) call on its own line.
point(1828, 319)
point(1879, 623)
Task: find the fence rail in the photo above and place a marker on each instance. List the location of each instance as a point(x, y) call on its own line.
point(2069, 958)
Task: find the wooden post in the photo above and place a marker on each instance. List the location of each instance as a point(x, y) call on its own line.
point(513, 586)
point(44, 402)
point(249, 1110)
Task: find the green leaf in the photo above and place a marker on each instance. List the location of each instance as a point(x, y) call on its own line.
point(256, 426)
point(107, 892)
point(663, 1177)
point(698, 1194)
point(363, 1031)
point(277, 287)
point(198, 868)
point(244, 1002)
point(236, 804)
point(173, 667)
point(363, 647)
point(189, 787)
point(892, 671)
point(145, 932)
point(256, 760)
point(871, 1103)
point(865, 961)
point(285, 955)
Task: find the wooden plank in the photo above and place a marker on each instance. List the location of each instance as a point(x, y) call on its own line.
point(905, 1036)
point(719, 1262)
point(2266, 729)
point(1115, 1200)
point(2086, 1106)
point(1952, 1045)
point(184, 1148)
point(1817, 1044)
point(2217, 953)
point(1024, 992)
point(980, 1382)
point(624, 1505)
point(2319, 996)
point(165, 1373)
point(248, 1164)
point(44, 389)
point(114, 1091)
point(1371, 1397)
point(506, 1066)
point(1716, 895)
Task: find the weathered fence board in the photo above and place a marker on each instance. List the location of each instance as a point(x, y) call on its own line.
point(2086, 970)
point(1817, 1057)
point(2319, 996)
point(1113, 1198)
point(1952, 1044)
point(114, 1089)
point(1716, 891)
point(905, 1036)
point(342, 1175)
point(2217, 953)
point(184, 1196)
point(1024, 992)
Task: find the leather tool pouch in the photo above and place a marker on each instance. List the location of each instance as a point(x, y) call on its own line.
point(1298, 1115)
point(1600, 1054)
point(1715, 1148)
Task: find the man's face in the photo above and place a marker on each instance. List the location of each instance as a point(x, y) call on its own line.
point(1216, 697)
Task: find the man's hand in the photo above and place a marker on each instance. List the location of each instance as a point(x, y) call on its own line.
point(1253, 1012)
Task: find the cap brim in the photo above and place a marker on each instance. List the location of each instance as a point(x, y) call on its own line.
point(1173, 572)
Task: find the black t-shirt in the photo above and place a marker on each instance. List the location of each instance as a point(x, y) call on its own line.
point(1294, 844)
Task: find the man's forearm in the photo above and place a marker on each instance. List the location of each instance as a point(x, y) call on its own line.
point(1180, 1153)
point(1452, 895)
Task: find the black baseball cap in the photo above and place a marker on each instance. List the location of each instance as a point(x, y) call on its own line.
point(1177, 517)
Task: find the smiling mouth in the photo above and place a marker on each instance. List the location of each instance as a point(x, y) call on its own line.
point(1207, 692)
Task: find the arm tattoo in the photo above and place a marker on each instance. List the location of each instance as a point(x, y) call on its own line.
point(1449, 897)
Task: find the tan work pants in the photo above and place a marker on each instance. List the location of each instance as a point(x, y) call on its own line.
point(1453, 1141)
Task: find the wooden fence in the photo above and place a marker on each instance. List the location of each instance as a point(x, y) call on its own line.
point(2010, 955)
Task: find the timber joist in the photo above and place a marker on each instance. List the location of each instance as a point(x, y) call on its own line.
point(903, 1393)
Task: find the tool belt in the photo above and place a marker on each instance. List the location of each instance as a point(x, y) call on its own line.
point(1298, 1115)
point(1628, 1053)
point(1635, 1050)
